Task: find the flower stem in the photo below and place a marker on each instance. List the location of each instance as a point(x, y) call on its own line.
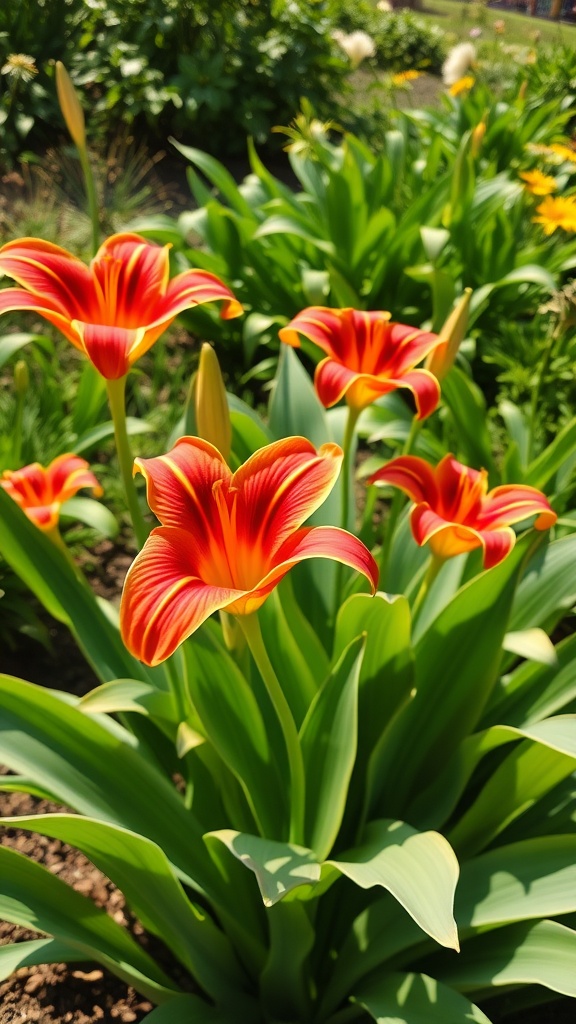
point(537, 387)
point(432, 571)
point(348, 449)
point(395, 509)
point(253, 633)
point(116, 398)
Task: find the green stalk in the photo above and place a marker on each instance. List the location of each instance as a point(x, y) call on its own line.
point(432, 571)
point(116, 398)
point(91, 196)
point(17, 435)
point(253, 633)
point(537, 387)
point(395, 508)
point(348, 449)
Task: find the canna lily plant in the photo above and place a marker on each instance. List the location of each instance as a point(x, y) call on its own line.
point(330, 805)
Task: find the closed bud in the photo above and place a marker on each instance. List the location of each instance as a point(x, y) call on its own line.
point(441, 360)
point(522, 90)
point(70, 106)
point(211, 404)
point(21, 377)
point(477, 137)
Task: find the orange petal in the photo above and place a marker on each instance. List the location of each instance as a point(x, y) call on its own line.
point(322, 542)
point(194, 287)
point(180, 485)
point(280, 486)
point(13, 299)
point(409, 346)
point(68, 474)
point(164, 601)
point(511, 503)
point(322, 326)
point(425, 388)
point(50, 273)
point(461, 491)
point(131, 276)
point(108, 348)
point(412, 475)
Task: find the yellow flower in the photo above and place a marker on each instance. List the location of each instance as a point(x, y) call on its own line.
point(537, 183)
point(556, 213)
point(564, 152)
point(499, 26)
point(462, 85)
point(403, 77)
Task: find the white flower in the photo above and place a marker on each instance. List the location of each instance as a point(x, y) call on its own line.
point(458, 62)
point(384, 6)
point(356, 45)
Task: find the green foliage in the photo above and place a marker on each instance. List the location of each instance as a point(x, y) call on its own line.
point(403, 39)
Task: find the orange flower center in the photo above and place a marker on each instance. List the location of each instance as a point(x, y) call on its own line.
point(232, 561)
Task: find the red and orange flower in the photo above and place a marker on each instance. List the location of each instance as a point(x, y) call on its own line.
point(227, 539)
point(455, 512)
point(367, 356)
point(114, 309)
point(40, 491)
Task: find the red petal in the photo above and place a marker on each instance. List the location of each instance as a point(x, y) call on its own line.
point(13, 299)
point(410, 347)
point(68, 474)
point(461, 491)
point(194, 287)
point(497, 544)
point(325, 327)
point(164, 601)
point(108, 348)
point(321, 542)
point(332, 380)
point(512, 503)
point(445, 539)
point(180, 485)
point(412, 475)
point(279, 487)
point(51, 273)
point(131, 277)
point(425, 388)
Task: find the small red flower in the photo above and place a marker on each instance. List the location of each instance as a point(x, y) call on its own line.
point(227, 539)
point(455, 512)
point(114, 309)
point(366, 356)
point(40, 492)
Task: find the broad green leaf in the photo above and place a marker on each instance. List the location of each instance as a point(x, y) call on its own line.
point(329, 740)
point(544, 468)
point(143, 873)
point(293, 225)
point(536, 691)
point(191, 1009)
point(548, 588)
point(42, 567)
point(34, 898)
point(534, 878)
point(98, 773)
point(457, 662)
point(521, 954)
point(218, 175)
point(419, 869)
point(10, 344)
point(93, 513)
point(279, 867)
point(295, 408)
point(437, 801)
point(94, 437)
point(532, 768)
point(532, 644)
point(297, 676)
point(468, 408)
point(129, 695)
point(35, 952)
point(233, 720)
point(385, 684)
point(285, 981)
point(415, 999)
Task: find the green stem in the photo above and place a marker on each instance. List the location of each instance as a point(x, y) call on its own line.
point(348, 449)
point(432, 571)
point(17, 435)
point(116, 398)
point(253, 633)
point(91, 196)
point(395, 508)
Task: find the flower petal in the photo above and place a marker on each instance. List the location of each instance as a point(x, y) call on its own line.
point(511, 503)
point(13, 299)
point(425, 388)
point(194, 287)
point(412, 475)
point(320, 542)
point(108, 348)
point(408, 346)
point(279, 487)
point(445, 539)
point(164, 601)
point(67, 474)
point(180, 485)
point(461, 490)
point(497, 544)
point(330, 329)
point(50, 272)
point(138, 270)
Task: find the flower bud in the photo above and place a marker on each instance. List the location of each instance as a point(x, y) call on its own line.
point(211, 404)
point(441, 359)
point(477, 137)
point(70, 106)
point(21, 377)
